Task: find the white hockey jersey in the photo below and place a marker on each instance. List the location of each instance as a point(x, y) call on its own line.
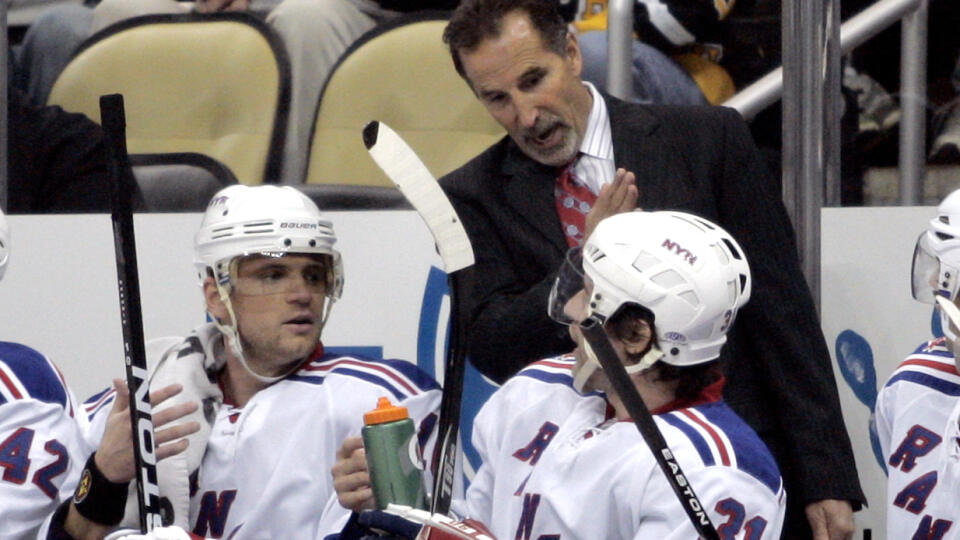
point(265, 472)
point(42, 449)
point(950, 470)
point(557, 466)
point(912, 419)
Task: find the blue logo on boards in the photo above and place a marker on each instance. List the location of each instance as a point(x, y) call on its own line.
point(855, 360)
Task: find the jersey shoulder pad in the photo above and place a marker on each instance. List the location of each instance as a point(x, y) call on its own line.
point(721, 438)
point(401, 378)
point(932, 365)
point(557, 370)
point(27, 374)
point(935, 347)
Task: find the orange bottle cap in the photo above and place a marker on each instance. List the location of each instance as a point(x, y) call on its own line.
point(385, 412)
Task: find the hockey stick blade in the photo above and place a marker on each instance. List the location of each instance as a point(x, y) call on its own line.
point(596, 338)
point(402, 166)
point(407, 171)
point(131, 319)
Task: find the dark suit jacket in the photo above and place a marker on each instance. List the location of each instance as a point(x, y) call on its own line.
point(696, 159)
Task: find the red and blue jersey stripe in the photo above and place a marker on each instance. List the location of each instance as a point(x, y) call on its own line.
point(931, 365)
point(399, 377)
point(98, 401)
point(722, 438)
point(552, 371)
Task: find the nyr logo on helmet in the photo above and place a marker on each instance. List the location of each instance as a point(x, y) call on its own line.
point(218, 201)
point(681, 252)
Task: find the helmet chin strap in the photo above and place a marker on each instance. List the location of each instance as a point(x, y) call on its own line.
point(232, 336)
point(582, 374)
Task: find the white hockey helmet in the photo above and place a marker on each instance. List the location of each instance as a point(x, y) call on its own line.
point(936, 261)
point(4, 243)
point(246, 220)
point(688, 272)
point(269, 220)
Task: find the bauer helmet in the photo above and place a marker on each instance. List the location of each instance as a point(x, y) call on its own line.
point(4, 243)
point(266, 220)
point(936, 261)
point(688, 272)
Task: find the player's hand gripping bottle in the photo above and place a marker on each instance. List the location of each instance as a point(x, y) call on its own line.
point(393, 457)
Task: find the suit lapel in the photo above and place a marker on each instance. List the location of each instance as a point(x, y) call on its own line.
point(637, 149)
point(528, 187)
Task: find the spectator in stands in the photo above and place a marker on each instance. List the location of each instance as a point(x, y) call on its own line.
point(522, 212)
point(58, 161)
point(675, 35)
point(316, 33)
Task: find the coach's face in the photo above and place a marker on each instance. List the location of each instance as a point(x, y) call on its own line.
point(533, 92)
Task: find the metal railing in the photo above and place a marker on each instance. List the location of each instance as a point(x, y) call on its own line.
point(806, 174)
point(853, 33)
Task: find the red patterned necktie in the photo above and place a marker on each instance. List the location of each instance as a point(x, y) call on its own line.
point(574, 201)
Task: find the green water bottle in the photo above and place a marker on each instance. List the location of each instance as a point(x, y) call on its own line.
point(393, 456)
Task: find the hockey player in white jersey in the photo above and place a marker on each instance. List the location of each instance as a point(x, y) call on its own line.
point(274, 405)
point(917, 436)
point(41, 440)
point(43, 449)
point(950, 470)
point(561, 458)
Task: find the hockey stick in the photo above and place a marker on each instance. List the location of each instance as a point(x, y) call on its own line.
point(597, 340)
point(404, 168)
point(131, 319)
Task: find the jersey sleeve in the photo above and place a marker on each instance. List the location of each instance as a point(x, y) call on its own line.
point(478, 503)
point(42, 450)
point(883, 415)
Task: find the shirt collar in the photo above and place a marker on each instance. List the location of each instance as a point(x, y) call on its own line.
point(597, 140)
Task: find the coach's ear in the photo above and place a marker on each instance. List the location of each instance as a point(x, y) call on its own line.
point(215, 305)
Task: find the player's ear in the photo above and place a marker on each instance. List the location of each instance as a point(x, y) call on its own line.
point(573, 57)
point(211, 295)
point(635, 333)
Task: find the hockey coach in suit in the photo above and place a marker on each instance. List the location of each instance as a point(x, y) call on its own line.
point(521, 213)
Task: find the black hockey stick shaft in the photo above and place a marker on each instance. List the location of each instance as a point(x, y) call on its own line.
point(131, 319)
point(445, 452)
point(596, 336)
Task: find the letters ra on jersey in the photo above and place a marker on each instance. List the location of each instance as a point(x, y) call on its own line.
point(912, 412)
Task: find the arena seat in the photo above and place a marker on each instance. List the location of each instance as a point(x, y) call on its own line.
point(179, 182)
point(400, 74)
point(217, 85)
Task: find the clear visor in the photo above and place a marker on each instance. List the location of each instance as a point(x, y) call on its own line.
point(925, 274)
point(567, 303)
point(280, 273)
